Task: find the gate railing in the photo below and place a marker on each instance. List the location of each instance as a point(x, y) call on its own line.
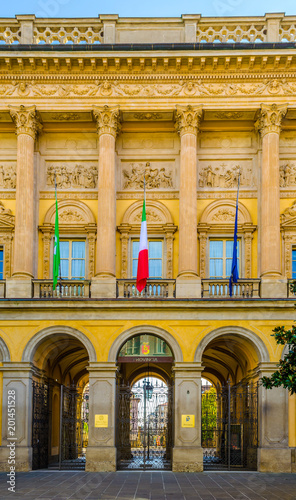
point(65, 289)
point(219, 288)
point(155, 289)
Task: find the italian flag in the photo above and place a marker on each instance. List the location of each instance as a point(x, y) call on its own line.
point(143, 268)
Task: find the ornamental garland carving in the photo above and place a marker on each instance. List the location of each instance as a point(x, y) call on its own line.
point(69, 176)
point(197, 88)
point(7, 176)
point(133, 177)
point(225, 176)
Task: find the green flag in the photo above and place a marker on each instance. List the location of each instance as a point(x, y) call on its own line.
point(56, 247)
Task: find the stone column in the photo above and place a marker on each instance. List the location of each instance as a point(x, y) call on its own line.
point(187, 124)
point(101, 450)
point(27, 126)
point(274, 454)
point(187, 451)
point(268, 124)
point(104, 282)
point(17, 388)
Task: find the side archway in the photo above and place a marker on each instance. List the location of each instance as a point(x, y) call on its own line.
point(149, 329)
point(244, 333)
point(38, 338)
point(4, 351)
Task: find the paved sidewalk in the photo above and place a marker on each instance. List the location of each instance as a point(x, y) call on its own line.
point(49, 485)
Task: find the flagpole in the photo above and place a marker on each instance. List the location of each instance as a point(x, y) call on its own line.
point(58, 242)
point(234, 271)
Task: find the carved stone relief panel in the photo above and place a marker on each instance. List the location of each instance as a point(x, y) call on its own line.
point(288, 173)
point(7, 175)
point(8, 143)
point(68, 144)
point(223, 174)
point(71, 175)
point(158, 175)
point(288, 139)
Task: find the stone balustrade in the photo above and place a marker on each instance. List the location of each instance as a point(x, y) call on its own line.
point(155, 289)
point(110, 29)
point(219, 289)
point(65, 289)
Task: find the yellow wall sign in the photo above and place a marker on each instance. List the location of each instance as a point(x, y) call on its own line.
point(188, 420)
point(101, 420)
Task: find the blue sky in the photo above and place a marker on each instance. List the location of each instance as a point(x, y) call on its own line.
point(150, 8)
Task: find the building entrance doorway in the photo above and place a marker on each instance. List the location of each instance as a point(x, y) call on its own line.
point(144, 405)
point(229, 404)
point(60, 404)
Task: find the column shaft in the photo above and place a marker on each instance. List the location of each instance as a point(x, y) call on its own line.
point(188, 206)
point(106, 230)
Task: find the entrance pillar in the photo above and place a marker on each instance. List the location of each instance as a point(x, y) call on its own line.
point(188, 282)
point(27, 127)
point(16, 416)
point(187, 451)
point(101, 450)
point(104, 282)
point(274, 454)
point(273, 284)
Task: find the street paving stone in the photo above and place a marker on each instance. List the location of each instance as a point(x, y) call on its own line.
point(156, 485)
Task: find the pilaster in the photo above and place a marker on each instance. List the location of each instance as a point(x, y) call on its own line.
point(187, 120)
point(101, 450)
point(27, 127)
point(108, 126)
point(187, 451)
point(17, 388)
point(274, 454)
point(269, 125)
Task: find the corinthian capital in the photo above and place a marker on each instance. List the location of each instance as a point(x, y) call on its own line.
point(270, 118)
point(187, 119)
point(26, 120)
point(108, 120)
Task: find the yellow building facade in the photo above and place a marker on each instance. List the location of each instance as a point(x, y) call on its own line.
point(186, 103)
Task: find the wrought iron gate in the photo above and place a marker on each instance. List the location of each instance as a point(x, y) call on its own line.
point(230, 427)
point(40, 424)
point(144, 426)
point(71, 429)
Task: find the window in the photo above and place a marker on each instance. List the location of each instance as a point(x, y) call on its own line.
point(155, 255)
point(294, 262)
point(221, 258)
point(1, 263)
point(72, 259)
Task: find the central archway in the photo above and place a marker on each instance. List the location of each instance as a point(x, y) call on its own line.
point(144, 403)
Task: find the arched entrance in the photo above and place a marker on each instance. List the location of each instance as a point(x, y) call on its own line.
point(144, 404)
point(230, 401)
point(59, 400)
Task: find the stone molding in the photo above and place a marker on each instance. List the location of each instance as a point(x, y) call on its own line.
point(160, 222)
point(7, 225)
point(218, 219)
point(26, 120)
point(187, 119)
point(4, 352)
point(270, 118)
point(75, 218)
point(288, 231)
point(107, 119)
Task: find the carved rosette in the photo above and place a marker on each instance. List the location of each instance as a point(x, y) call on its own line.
point(91, 254)
point(187, 119)
point(203, 254)
point(46, 254)
point(26, 120)
point(124, 237)
point(270, 118)
point(107, 119)
point(248, 254)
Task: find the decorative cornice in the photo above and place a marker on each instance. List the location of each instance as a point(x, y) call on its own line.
point(187, 119)
point(107, 119)
point(270, 118)
point(26, 120)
